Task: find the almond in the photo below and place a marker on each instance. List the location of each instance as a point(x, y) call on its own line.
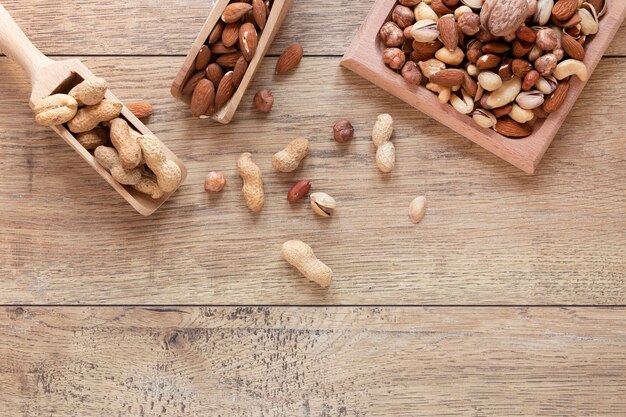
point(521, 67)
point(439, 7)
point(488, 61)
point(240, 70)
point(225, 90)
point(203, 97)
point(572, 47)
point(512, 129)
point(448, 77)
point(190, 86)
point(289, 59)
point(214, 73)
point(248, 40)
point(555, 100)
point(230, 35)
point(228, 60)
point(216, 33)
point(203, 58)
point(526, 34)
point(448, 32)
point(219, 48)
point(235, 11)
point(141, 109)
point(260, 13)
point(495, 48)
point(564, 9)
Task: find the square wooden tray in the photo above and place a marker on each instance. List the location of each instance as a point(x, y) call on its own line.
point(364, 57)
point(277, 15)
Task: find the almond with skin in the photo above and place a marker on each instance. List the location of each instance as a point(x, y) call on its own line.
point(230, 35)
point(214, 73)
point(448, 77)
point(225, 90)
point(235, 11)
point(555, 100)
point(239, 71)
point(219, 48)
point(203, 58)
point(564, 9)
point(572, 47)
point(248, 40)
point(190, 86)
point(448, 32)
point(260, 13)
point(289, 59)
point(228, 60)
point(512, 129)
point(216, 33)
point(141, 109)
point(203, 98)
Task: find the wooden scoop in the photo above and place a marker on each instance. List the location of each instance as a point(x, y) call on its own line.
point(50, 77)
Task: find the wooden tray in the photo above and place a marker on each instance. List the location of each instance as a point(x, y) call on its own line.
point(275, 19)
point(364, 57)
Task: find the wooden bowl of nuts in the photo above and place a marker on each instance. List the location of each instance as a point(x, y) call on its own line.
point(502, 73)
point(226, 54)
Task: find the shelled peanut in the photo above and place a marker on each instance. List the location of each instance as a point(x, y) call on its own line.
point(223, 59)
point(132, 159)
point(503, 63)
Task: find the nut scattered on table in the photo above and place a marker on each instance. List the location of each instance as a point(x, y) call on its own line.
point(214, 182)
point(301, 256)
point(289, 59)
point(322, 204)
point(264, 100)
point(299, 191)
point(492, 58)
point(417, 209)
point(343, 131)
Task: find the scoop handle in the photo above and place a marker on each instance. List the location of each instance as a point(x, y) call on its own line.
point(16, 45)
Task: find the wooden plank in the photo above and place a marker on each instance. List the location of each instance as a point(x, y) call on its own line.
point(324, 27)
point(313, 362)
point(492, 235)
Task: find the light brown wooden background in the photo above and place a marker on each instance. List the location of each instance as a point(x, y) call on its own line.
point(507, 300)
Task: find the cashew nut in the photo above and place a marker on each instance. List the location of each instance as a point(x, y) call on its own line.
point(571, 67)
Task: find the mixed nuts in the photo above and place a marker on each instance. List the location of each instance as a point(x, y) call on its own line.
point(503, 63)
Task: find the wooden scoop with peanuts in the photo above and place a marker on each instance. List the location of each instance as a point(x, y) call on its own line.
point(79, 107)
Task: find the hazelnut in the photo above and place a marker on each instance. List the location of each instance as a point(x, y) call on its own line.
point(214, 182)
point(394, 58)
point(391, 35)
point(546, 64)
point(264, 100)
point(547, 39)
point(343, 131)
point(412, 73)
point(403, 16)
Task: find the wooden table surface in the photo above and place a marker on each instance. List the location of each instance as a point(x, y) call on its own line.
point(508, 299)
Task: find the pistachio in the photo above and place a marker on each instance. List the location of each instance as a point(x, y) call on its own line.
point(417, 209)
point(588, 20)
point(425, 30)
point(484, 118)
point(464, 105)
point(490, 81)
point(543, 12)
point(474, 4)
point(323, 204)
point(423, 11)
point(521, 115)
point(571, 67)
point(535, 53)
point(505, 94)
point(530, 100)
point(546, 84)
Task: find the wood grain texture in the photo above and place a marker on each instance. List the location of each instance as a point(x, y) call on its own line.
point(309, 362)
point(491, 235)
point(148, 27)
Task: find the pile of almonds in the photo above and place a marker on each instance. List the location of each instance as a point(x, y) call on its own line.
point(223, 60)
point(505, 63)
